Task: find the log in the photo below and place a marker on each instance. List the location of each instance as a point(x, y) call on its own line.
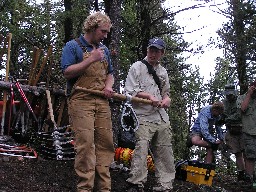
point(32, 89)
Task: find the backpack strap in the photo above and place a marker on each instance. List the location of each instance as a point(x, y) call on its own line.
point(152, 71)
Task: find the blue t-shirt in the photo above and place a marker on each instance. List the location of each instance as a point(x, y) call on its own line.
point(72, 53)
point(204, 124)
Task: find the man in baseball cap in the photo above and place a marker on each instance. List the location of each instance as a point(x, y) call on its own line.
point(230, 89)
point(246, 103)
point(143, 80)
point(233, 122)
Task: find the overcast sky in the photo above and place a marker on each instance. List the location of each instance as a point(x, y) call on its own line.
point(206, 18)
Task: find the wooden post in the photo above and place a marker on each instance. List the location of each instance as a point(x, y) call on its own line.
point(6, 79)
point(48, 94)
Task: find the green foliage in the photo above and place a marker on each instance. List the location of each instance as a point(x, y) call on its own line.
point(223, 75)
point(31, 25)
point(238, 40)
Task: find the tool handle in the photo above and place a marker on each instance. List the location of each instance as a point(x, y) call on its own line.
point(116, 96)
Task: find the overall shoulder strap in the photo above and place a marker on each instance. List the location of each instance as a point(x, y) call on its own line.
point(72, 82)
point(80, 45)
point(153, 73)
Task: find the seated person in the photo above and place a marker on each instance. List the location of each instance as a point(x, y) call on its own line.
point(203, 128)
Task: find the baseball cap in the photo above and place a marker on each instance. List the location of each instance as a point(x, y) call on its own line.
point(156, 42)
point(230, 89)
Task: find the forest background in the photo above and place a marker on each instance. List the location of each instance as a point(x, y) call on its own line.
point(49, 25)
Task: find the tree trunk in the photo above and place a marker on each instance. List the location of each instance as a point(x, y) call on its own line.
point(145, 19)
point(113, 9)
point(68, 24)
point(240, 44)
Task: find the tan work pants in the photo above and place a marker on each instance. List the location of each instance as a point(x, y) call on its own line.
point(91, 121)
point(159, 136)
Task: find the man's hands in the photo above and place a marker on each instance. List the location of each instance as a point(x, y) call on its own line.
point(108, 92)
point(78, 69)
point(165, 103)
point(218, 142)
point(215, 146)
point(251, 90)
point(155, 101)
point(97, 54)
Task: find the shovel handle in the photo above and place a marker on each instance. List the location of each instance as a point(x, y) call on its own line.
point(50, 108)
point(116, 96)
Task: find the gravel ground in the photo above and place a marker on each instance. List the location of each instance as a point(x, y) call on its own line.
point(28, 175)
point(43, 175)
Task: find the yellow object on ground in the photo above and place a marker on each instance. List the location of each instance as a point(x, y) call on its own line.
point(124, 155)
point(199, 173)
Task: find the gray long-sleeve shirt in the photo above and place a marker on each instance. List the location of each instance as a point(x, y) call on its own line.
point(139, 80)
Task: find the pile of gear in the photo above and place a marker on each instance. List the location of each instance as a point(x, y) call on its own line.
point(10, 148)
point(58, 144)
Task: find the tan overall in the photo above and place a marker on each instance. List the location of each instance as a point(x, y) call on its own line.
point(90, 117)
